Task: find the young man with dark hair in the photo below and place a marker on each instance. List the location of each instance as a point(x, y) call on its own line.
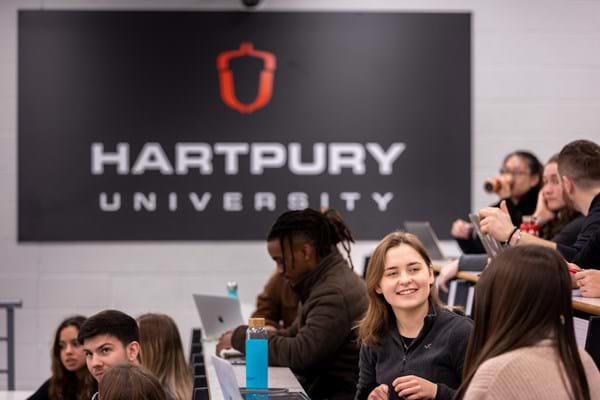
point(109, 338)
point(579, 168)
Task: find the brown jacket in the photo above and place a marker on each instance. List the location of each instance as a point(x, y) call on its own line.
point(277, 303)
point(321, 346)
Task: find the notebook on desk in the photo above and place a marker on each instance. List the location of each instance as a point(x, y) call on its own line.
point(232, 391)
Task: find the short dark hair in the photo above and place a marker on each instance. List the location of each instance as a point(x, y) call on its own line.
point(110, 322)
point(580, 160)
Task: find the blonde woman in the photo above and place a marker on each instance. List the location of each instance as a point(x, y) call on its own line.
point(411, 347)
point(162, 354)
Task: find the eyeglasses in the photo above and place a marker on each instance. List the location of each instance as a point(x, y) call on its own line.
point(513, 172)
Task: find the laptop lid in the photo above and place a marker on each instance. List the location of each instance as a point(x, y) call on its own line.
point(227, 379)
point(218, 314)
point(231, 391)
point(424, 232)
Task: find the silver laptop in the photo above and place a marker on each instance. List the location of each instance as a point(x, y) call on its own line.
point(231, 390)
point(218, 314)
point(424, 232)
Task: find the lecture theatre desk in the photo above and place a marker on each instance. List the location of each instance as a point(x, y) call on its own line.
point(582, 304)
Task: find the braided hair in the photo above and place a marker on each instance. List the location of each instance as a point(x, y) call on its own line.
point(323, 229)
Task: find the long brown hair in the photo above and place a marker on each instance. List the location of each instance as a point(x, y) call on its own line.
point(130, 382)
point(162, 354)
point(379, 314)
point(523, 297)
point(564, 215)
point(65, 384)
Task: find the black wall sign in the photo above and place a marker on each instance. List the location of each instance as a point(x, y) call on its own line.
point(208, 125)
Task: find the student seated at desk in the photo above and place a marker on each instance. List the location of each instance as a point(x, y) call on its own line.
point(109, 338)
point(321, 345)
point(523, 345)
point(162, 354)
point(411, 347)
point(579, 168)
point(558, 222)
point(131, 382)
point(519, 183)
point(70, 378)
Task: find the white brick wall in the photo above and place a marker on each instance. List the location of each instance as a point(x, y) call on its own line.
point(536, 85)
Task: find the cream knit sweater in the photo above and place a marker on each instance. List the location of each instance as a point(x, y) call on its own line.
point(528, 373)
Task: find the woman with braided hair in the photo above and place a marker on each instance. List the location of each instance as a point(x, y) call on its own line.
point(321, 345)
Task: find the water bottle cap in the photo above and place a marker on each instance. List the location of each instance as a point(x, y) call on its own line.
point(232, 285)
point(256, 322)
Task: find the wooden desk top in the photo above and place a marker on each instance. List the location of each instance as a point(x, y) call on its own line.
point(583, 304)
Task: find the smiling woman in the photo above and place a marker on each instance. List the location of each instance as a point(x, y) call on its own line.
point(411, 347)
point(70, 377)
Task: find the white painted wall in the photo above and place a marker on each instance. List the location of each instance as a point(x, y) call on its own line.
point(536, 80)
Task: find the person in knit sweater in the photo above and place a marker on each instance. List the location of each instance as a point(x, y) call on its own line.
point(523, 345)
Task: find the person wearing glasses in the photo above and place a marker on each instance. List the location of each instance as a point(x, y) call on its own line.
point(518, 183)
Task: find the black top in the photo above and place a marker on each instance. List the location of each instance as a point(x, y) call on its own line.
point(406, 341)
point(526, 206)
point(591, 224)
point(436, 354)
point(589, 256)
point(568, 234)
point(42, 392)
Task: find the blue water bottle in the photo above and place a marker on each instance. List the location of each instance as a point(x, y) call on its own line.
point(257, 355)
